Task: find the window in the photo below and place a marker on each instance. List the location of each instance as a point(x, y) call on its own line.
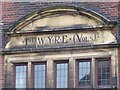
point(84, 73)
point(20, 76)
point(103, 72)
point(39, 75)
point(61, 75)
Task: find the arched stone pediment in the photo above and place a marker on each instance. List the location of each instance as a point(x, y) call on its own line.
point(59, 18)
point(84, 29)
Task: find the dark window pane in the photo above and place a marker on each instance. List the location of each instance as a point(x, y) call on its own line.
point(84, 73)
point(61, 75)
point(39, 75)
point(20, 79)
point(103, 72)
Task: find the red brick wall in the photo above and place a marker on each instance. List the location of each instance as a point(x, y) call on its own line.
point(12, 11)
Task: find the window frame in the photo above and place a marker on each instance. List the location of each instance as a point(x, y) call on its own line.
point(55, 72)
point(110, 78)
point(14, 71)
point(39, 63)
point(77, 72)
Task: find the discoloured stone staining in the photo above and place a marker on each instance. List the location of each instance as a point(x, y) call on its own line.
point(62, 21)
point(62, 40)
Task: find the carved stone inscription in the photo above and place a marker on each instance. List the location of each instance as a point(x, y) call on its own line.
point(62, 40)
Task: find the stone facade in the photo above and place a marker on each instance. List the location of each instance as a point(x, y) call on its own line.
point(12, 14)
